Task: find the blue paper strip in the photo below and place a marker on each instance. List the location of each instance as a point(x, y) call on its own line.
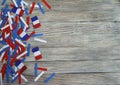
point(19, 3)
point(15, 50)
point(26, 11)
point(3, 2)
point(49, 78)
point(41, 9)
point(7, 76)
point(37, 35)
point(14, 79)
point(36, 70)
point(28, 49)
point(23, 60)
point(3, 50)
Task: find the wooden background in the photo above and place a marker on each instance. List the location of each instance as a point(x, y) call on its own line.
point(83, 43)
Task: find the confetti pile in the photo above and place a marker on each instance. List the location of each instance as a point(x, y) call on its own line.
point(14, 36)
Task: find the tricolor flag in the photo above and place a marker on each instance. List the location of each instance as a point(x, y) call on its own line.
point(37, 53)
point(20, 66)
point(36, 22)
point(18, 11)
point(22, 34)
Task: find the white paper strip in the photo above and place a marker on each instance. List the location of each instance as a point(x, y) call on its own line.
point(15, 3)
point(20, 42)
point(24, 22)
point(5, 27)
point(40, 40)
point(24, 78)
point(36, 6)
point(36, 79)
point(5, 46)
point(18, 57)
point(25, 3)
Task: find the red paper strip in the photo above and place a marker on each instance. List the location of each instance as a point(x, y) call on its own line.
point(12, 5)
point(3, 70)
point(42, 69)
point(17, 20)
point(28, 20)
point(23, 69)
point(10, 43)
point(46, 3)
point(19, 78)
point(32, 8)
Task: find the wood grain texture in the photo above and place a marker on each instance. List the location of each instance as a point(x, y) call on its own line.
point(83, 43)
point(77, 79)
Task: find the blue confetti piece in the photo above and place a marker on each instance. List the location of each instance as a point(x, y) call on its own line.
point(36, 69)
point(23, 60)
point(12, 70)
point(14, 34)
point(22, 24)
point(26, 11)
point(15, 51)
point(25, 43)
point(17, 63)
point(6, 9)
point(49, 78)
point(3, 2)
point(7, 77)
point(28, 49)
point(14, 79)
point(3, 22)
point(19, 3)
point(3, 42)
point(9, 57)
point(37, 35)
point(3, 50)
point(41, 9)
point(14, 9)
point(9, 72)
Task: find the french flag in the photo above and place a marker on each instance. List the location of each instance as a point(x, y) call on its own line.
point(37, 53)
point(20, 66)
point(36, 22)
point(22, 34)
point(18, 11)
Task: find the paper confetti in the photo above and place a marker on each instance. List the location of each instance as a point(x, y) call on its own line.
point(14, 26)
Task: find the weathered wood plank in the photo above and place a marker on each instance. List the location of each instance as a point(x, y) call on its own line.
point(77, 53)
point(77, 79)
point(81, 10)
point(76, 66)
point(89, 35)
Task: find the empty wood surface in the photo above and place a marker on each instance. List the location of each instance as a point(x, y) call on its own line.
point(83, 43)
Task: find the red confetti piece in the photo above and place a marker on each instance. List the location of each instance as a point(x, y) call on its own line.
point(10, 43)
point(3, 70)
point(46, 3)
point(28, 20)
point(32, 8)
point(19, 78)
point(17, 20)
point(42, 69)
